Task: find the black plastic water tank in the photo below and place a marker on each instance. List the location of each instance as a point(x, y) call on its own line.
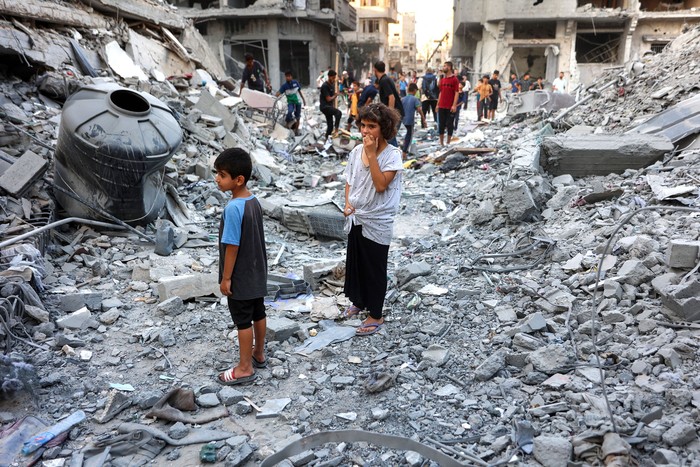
point(113, 144)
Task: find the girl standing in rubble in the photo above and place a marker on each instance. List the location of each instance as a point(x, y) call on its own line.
point(372, 195)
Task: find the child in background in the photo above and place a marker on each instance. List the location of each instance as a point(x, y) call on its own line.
point(411, 105)
point(292, 90)
point(352, 108)
point(242, 264)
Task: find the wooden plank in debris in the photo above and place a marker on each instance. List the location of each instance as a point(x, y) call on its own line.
point(140, 10)
point(465, 150)
point(178, 48)
point(53, 12)
point(23, 172)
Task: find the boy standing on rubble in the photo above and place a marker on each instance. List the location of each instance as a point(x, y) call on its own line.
point(292, 90)
point(242, 264)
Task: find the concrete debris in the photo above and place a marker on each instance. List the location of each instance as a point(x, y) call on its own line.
point(601, 154)
point(492, 312)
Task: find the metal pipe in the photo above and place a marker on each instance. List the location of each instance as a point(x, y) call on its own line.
point(52, 225)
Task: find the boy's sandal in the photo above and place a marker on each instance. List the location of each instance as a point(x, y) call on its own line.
point(228, 378)
point(259, 364)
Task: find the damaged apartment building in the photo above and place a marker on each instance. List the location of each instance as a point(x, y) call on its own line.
point(302, 35)
point(578, 37)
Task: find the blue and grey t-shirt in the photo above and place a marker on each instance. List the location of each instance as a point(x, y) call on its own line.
point(241, 224)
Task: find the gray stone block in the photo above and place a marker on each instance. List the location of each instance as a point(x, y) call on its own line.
point(280, 329)
point(73, 302)
point(23, 172)
point(188, 286)
point(584, 155)
point(683, 254)
point(519, 202)
point(413, 270)
point(172, 306)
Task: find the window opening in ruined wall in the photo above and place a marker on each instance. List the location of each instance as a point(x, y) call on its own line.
point(370, 25)
point(597, 48)
point(667, 5)
point(539, 30)
point(602, 3)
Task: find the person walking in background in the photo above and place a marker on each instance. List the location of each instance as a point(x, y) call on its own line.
point(353, 108)
point(560, 85)
point(525, 83)
point(292, 90)
point(461, 102)
point(403, 85)
point(429, 93)
point(514, 83)
point(368, 94)
point(538, 85)
point(388, 95)
point(483, 90)
point(242, 264)
point(411, 105)
point(326, 105)
point(254, 75)
point(495, 83)
point(447, 103)
point(372, 197)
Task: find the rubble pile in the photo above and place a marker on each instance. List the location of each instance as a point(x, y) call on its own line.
point(512, 328)
point(648, 86)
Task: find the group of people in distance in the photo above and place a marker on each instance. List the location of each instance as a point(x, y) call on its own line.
point(373, 178)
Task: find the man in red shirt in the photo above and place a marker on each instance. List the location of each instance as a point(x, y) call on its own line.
point(447, 102)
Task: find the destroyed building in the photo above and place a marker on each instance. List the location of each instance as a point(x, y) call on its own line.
point(543, 287)
point(579, 37)
point(299, 35)
point(402, 43)
point(369, 41)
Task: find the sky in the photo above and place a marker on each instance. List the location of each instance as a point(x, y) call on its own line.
point(433, 20)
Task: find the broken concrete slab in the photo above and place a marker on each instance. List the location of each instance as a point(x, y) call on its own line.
point(188, 286)
point(208, 104)
point(23, 173)
point(684, 300)
point(519, 201)
point(683, 254)
point(601, 154)
point(74, 15)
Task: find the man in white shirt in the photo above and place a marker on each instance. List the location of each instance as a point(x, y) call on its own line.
point(560, 84)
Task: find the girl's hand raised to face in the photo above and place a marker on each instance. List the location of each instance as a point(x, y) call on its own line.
point(370, 144)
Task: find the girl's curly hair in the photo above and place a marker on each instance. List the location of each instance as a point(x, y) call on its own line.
point(388, 119)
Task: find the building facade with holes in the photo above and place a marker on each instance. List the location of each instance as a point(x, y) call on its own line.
point(578, 37)
point(305, 36)
point(370, 40)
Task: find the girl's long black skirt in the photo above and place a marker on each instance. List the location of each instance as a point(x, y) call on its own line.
point(365, 272)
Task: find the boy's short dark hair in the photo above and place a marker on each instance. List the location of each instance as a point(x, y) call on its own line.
point(496, 72)
point(387, 118)
point(248, 57)
point(413, 87)
point(380, 66)
point(332, 73)
point(235, 162)
point(289, 73)
point(356, 82)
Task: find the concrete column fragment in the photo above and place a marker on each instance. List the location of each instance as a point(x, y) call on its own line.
point(23, 172)
point(583, 155)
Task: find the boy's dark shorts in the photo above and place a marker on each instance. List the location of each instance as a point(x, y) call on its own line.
point(245, 312)
point(493, 105)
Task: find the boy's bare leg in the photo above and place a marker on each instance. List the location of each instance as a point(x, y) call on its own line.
point(245, 347)
point(259, 330)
